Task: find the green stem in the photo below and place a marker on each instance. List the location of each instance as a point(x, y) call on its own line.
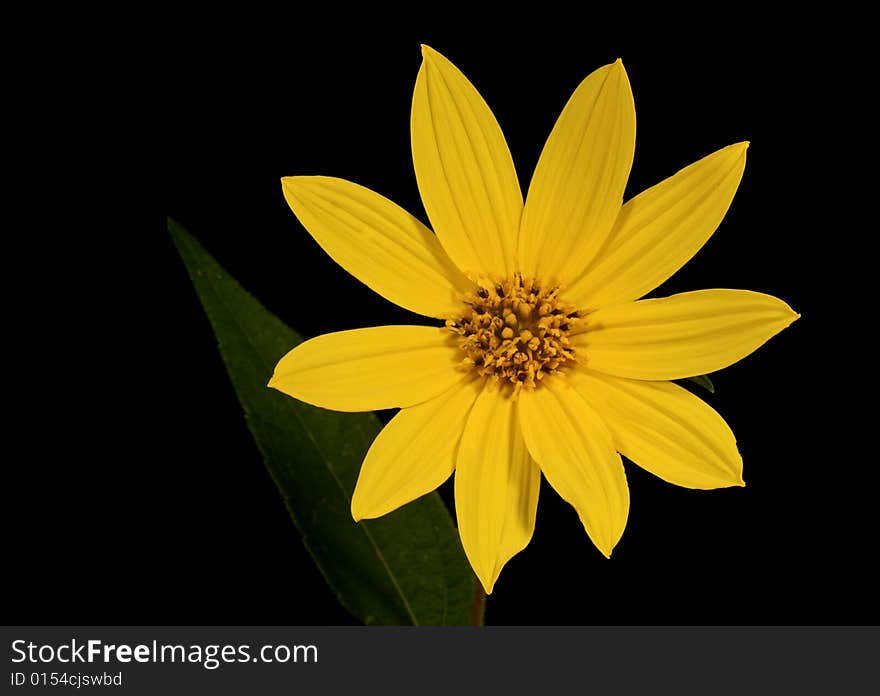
point(478, 607)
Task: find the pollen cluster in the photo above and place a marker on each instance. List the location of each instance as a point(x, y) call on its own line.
point(515, 331)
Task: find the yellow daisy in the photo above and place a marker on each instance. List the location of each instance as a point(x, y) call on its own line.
point(548, 362)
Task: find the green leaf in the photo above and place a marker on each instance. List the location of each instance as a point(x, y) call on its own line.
point(405, 568)
point(704, 382)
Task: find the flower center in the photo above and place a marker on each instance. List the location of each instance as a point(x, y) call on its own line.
point(515, 331)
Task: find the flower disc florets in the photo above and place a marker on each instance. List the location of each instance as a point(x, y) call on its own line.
point(515, 331)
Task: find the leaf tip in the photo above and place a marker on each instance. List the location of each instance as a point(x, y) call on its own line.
point(703, 381)
point(174, 227)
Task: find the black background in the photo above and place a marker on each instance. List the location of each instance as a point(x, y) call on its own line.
point(139, 496)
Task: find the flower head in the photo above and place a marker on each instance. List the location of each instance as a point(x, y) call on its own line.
point(548, 362)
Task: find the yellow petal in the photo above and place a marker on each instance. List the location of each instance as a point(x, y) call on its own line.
point(464, 169)
point(368, 369)
point(575, 451)
point(378, 242)
point(414, 453)
point(680, 336)
point(664, 429)
point(577, 189)
point(496, 486)
point(659, 230)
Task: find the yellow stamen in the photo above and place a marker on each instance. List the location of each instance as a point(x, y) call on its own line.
point(515, 331)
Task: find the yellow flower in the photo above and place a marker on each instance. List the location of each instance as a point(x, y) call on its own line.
point(547, 362)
